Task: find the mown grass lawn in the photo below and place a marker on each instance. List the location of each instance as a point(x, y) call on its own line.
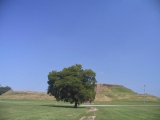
point(128, 113)
point(38, 110)
point(51, 110)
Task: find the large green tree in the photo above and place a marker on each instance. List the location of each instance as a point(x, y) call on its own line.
point(72, 84)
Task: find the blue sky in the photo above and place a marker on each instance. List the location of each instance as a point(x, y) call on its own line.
point(118, 39)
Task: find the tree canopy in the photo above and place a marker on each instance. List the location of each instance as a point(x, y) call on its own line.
point(4, 89)
point(72, 84)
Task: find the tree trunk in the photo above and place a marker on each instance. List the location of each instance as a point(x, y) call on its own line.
point(75, 105)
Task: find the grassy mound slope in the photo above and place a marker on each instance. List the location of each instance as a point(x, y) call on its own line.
point(118, 92)
point(26, 95)
point(106, 93)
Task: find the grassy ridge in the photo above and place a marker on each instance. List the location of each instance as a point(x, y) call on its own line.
point(26, 95)
point(118, 92)
point(106, 93)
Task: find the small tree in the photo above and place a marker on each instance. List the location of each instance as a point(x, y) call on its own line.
point(4, 89)
point(72, 84)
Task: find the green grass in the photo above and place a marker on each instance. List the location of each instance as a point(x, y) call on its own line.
point(128, 113)
point(38, 110)
point(129, 102)
point(118, 92)
point(12, 109)
point(121, 89)
point(24, 105)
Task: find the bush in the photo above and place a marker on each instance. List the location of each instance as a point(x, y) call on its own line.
point(4, 89)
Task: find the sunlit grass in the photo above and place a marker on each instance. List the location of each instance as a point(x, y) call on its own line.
point(25, 105)
point(11, 109)
point(118, 92)
point(128, 113)
point(38, 110)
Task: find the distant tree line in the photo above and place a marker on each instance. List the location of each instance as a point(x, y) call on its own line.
point(4, 89)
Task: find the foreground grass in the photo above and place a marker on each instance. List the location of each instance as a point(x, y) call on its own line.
point(38, 110)
point(128, 113)
point(23, 109)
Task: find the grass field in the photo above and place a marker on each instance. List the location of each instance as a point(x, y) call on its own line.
point(22, 109)
point(28, 105)
point(128, 113)
point(38, 110)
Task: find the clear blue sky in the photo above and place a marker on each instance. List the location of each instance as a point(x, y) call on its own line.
point(118, 39)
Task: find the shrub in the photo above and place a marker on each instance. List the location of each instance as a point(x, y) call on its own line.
point(4, 89)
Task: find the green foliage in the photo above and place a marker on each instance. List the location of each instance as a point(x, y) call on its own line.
point(72, 84)
point(4, 89)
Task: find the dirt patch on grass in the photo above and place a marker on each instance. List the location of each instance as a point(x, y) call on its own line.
point(92, 110)
point(89, 117)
